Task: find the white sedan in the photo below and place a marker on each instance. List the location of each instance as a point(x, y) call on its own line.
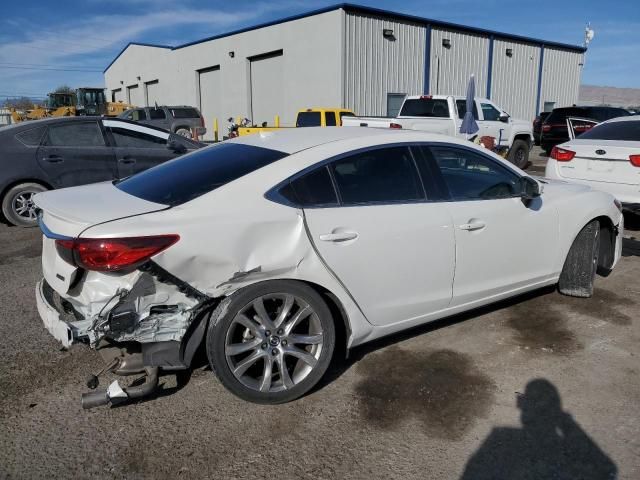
point(607, 157)
point(276, 249)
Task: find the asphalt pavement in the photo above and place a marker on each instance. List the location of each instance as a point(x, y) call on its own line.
point(542, 386)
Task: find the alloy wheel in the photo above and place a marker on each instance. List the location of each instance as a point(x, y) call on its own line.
point(23, 205)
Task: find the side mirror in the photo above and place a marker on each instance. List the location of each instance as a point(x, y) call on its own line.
point(504, 118)
point(529, 189)
point(176, 147)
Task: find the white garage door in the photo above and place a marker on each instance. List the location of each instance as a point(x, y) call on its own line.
point(134, 96)
point(153, 93)
point(267, 85)
point(209, 85)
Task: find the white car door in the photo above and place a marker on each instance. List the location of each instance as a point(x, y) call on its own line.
point(502, 244)
point(391, 248)
point(491, 125)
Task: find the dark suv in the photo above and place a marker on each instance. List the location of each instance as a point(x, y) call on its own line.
point(180, 119)
point(554, 128)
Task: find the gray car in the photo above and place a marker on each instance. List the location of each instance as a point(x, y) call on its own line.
point(180, 119)
point(63, 152)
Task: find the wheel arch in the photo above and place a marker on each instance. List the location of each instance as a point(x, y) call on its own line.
point(13, 183)
point(607, 249)
point(526, 137)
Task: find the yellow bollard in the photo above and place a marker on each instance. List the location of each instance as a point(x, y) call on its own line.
point(277, 121)
point(215, 129)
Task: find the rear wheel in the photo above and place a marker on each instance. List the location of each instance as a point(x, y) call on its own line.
point(271, 342)
point(184, 132)
point(579, 271)
point(519, 154)
point(17, 204)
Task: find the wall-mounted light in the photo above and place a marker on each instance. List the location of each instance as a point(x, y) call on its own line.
point(388, 33)
point(509, 52)
point(446, 43)
point(232, 54)
point(138, 78)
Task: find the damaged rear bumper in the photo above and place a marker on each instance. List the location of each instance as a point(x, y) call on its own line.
point(64, 325)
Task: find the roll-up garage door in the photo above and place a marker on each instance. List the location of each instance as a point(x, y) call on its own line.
point(134, 96)
point(153, 93)
point(267, 87)
point(116, 95)
point(210, 99)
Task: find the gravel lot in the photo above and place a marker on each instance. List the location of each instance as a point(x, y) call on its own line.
point(435, 403)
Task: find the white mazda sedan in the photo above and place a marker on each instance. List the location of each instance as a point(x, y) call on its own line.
point(276, 249)
point(606, 157)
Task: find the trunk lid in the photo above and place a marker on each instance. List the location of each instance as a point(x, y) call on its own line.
point(606, 162)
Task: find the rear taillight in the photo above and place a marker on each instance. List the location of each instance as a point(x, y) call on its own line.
point(113, 254)
point(546, 128)
point(395, 125)
point(635, 160)
point(562, 155)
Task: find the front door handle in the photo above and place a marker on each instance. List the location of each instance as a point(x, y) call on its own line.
point(53, 159)
point(472, 225)
point(338, 237)
point(127, 160)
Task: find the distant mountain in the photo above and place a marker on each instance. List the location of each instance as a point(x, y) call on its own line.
point(619, 97)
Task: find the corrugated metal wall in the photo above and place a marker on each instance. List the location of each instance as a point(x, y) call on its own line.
point(514, 80)
point(451, 67)
point(561, 77)
point(375, 66)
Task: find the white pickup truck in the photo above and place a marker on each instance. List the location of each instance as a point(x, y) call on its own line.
point(444, 113)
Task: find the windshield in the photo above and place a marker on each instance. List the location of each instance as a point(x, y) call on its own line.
point(627, 131)
point(88, 97)
point(185, 178)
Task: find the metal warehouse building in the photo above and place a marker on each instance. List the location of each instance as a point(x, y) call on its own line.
point(346, 55)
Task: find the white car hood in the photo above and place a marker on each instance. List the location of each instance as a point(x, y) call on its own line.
point(69, 211)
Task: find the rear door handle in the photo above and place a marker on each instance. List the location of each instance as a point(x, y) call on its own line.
point(472, 225)
point(338, 237)
point(53, 159)
point(127, 160)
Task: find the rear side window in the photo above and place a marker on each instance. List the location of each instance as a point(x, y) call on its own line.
point(87, 134)
point(308, 119)
point(185, 113)
point(313, 189)
point(125, 137)
point(471, 176)
point(31, 137)
point(190, 176)
point(628, 131)
point(425, 107)
point(330, 119)
point(156, 114)
point(377, 176)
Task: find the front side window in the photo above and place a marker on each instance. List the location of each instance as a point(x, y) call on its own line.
point(472, 176)
point(137, 115)
point(86, 134)
point(377, 176)
point(330, 119)
point(489, 112)
point(308, 119)
point(125, 137)
point(462, 109)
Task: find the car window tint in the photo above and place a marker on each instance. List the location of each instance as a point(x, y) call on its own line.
point(462, 109)
point(308, 119)
point(471, 176)
point(381, 175)
point(330, 119)
point(157, 114)
point(625, 131)
point(125, 137)
point(86, 134)
point(185, 113)
point(425, 107)
point(138, 115)
point(313, 189)
point(489, 112)
point(190, 176)
point(559, 115)
point(31, 137)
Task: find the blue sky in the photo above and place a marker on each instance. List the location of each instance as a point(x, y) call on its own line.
point(88, 34)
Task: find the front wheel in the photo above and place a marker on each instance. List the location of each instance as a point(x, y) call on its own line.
point(579, 270)
point(271, 342)
point(519, 154)
point(17, 204)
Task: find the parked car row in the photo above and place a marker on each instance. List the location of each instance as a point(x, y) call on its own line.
point(67, 151)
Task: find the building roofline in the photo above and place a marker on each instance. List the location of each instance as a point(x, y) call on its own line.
point(353, 8)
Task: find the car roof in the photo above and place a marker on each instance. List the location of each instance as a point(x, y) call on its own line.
point(292, 140)
point(626, 118)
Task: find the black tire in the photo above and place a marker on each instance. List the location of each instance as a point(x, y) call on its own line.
point(11, 204)
point(581, 264)
point(519, 154)
point(184, 132)
point(222, 326)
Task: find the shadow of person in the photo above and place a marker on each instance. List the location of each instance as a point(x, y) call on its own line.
point(550, 444)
